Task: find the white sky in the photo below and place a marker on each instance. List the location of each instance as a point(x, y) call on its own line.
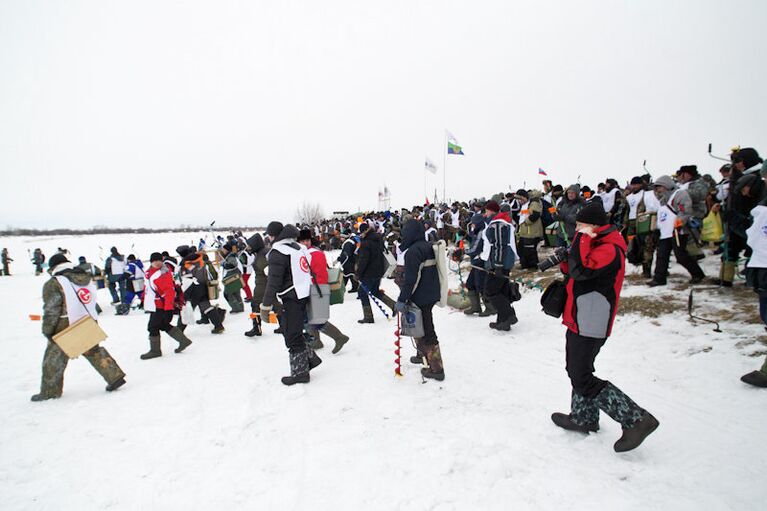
point(157, 113)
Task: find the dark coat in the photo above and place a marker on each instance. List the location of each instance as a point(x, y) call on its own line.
point(280, 276)
point(371, 263)
point(418, 252)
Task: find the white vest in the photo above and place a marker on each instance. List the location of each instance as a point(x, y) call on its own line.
point(608, 199)
point(634, 199)
point(757, 238)
point(150, 292)
point(299, 267)
point(651, 203)
point(455, 217)
point(667, 219)
point(523, 216)
point(80, 300)
point(117, 267)
point(429, 231)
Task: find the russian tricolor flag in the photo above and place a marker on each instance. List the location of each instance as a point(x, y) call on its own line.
point(541, 172)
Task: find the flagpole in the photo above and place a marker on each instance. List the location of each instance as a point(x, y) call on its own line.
point(444, 169)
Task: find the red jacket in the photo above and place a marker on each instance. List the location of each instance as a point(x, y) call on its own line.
point(319, 266)
point(164, 288)
point(596, 267)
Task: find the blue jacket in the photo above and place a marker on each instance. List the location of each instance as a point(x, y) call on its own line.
point(418, 252)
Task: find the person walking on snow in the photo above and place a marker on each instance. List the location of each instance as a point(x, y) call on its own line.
point(69, 296)
point(319, 267)
point(160, 301)
point(594, 271)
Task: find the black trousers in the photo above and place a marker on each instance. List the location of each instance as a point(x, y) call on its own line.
point(159, 321)
point(429, 335)
point(476, 280)
point(735, 244)
point(580, 355)
point(665, 247)
point(528, 252)
point(292, 324)
point(498, 291)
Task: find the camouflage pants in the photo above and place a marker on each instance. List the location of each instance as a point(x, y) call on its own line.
point(648, 242)
point(55, 362)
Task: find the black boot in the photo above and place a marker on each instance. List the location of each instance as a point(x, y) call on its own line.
point(489, 309)
point(178, 336)
point(315, 343)
point(755, 378)
point(367, 313)
point(622, 409)
point(256, 330)
point(154, 348)
point(115, 385)
point(217, 318)
point(389, 302)
point(583, 416)
point(299, 369)
point(419, 357)
point(205, 320)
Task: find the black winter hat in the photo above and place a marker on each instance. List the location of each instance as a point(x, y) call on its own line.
point(305, 234)
point(113, 250)
point(56, 260)
point(636, 180)
point(748, 156)
point(156, 256)
point(522, 193)
point(81, 259)
point(363, 227)
point(183, 250)
point(689, 169)
point(274, 229)
point(592, 213)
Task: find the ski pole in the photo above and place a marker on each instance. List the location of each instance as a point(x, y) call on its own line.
point(375, 300)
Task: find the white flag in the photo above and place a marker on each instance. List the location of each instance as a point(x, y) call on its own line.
point(430, 166)
point(451, 138)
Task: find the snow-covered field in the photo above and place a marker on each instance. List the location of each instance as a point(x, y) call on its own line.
point(213, 428)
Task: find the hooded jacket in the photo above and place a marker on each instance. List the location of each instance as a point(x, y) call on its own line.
point(595, 267)
point(568, 210)
point(371, 263)
point(419, 252)
point(498, 247)
point(280, 277)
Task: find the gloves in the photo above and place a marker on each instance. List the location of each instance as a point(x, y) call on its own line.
point(265, 313)
point(401, 307)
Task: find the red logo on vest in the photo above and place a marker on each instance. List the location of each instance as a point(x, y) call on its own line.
point(304, 264)
point(85, 295)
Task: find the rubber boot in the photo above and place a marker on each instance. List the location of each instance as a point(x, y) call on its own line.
point(367, 315)
point(334, 333)
point(183, 340)
point(299, 369)
point(154, 348)
point(389, 302)
point(475, 307)
point(256, 330)
point(205, 320)
point(435, 370)
point(583, 416)
point(636, 422)
point(727, 273)
point(756, 378)
point(115, 385)
point(489, 309)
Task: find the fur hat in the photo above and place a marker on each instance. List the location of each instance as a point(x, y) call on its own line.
point(56, 260)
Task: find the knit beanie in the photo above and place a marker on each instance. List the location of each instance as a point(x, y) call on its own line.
point(592, 213)
point(274, 228)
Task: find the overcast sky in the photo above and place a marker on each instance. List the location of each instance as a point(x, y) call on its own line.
point(159, 113)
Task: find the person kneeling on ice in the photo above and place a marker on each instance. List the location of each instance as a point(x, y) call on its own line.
point(160, 301)
point(319, 267)
point(421, 287)
point(69, 296)
point(595, 268)
point(288, 277)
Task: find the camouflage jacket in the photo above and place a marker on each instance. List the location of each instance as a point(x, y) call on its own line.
point(54, 305)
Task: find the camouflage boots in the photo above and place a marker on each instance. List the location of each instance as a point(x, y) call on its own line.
point(435, 369)
point(299, 369)
point(636, 422)
point(583, 416)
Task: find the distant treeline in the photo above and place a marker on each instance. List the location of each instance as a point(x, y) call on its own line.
point(119, 230)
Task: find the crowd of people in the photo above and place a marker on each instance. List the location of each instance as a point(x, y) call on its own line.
point(594, 234)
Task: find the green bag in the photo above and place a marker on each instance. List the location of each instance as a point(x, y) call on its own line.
point(646, 223)
point(337, 287)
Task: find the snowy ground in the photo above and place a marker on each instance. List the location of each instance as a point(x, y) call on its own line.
point(213, 428)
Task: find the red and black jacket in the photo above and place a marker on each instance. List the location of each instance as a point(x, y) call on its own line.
point(595, 267)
